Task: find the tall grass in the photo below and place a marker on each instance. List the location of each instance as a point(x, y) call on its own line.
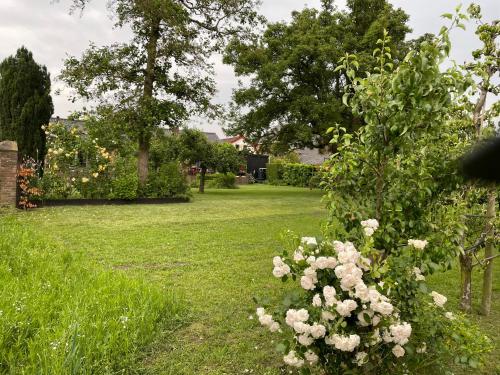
point(59, 315)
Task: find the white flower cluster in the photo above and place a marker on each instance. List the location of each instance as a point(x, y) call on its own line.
point(344, 301)
point(418, 244)
point(280, 268)
point(369, 226)
point(418, 274)
point(439, 299)
point(267, 320)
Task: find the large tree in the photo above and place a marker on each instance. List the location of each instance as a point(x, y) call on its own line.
point(25, 103)
point(295, 92)
point(162, 76)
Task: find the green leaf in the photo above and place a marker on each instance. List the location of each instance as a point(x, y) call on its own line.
point(345, 97)
point(447, 15)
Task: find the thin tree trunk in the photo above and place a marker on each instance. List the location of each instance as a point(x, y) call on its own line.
point(466, 282)
point(143, 161)
point(488, 253)
point(149, 79)
point(379, 191)
point(202, 179)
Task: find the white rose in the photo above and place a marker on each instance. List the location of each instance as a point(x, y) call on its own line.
point(398, 351)
point(449, 315)
point(361, 317)
point(274, 327)
point(309, 240)
point(329, 293)
point(400, 333)
point(384, 308)
point(439, 299)
point(361, 358)
point(311, 357)
point(368, 231)
point(291, 360)
point(327, 315)
point(418, 244)
point(305, 340)
point(345, 307)
point(307, 283)
point(316, 301)
point(317, 331)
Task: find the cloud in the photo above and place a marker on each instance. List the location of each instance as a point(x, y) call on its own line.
point(51, 33)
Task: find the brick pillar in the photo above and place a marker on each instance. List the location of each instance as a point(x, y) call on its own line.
point(8, 173)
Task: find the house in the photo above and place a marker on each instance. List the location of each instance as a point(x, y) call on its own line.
point(312, 156)
point(306, 155)
point(240, 143)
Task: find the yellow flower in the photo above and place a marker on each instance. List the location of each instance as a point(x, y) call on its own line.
point(85, 180)
point(95, 174)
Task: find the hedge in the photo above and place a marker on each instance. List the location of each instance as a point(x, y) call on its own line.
point(293, 174)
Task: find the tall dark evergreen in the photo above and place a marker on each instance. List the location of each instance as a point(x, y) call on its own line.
point(25, 103)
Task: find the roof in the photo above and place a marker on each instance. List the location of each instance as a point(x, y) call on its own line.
point(312, 156)
point(69, 123)
point(233, 139)
point(212, 137)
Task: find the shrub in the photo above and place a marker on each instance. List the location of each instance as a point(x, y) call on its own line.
point(59, 315)
point(223, 181)
point(125, 183)
point(293, 174)
point(298, 174)
point(167, 182)
point(275, 173)
point(355, 314)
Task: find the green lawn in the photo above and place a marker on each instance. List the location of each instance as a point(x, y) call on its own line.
point(215, 253)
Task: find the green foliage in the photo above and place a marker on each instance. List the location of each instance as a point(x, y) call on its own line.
point(299, 174)
point(403, 162)
point(275, 173)
point(25, 103)
point(195, 148)
point(168, 181)
point(164, 148)
point(162, 75)
point(296, 91)
point(223, 181)
point(124, 184)
point(293, 174)
point(437, 337)
point(58, 315)
point(226, 158)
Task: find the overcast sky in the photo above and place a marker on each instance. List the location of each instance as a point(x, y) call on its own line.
point(46, 28)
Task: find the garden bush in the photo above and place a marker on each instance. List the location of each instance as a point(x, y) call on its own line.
point(299, 174)
point(293, 174)
point(223, 181)
point(275, 173)
point(60, 315)
point(356, 312)
point(125, 183)
point(168, 181)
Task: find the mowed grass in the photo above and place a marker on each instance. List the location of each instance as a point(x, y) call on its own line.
point(215, 254)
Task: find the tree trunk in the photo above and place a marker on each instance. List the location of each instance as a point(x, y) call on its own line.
point(143, 161)
point(488, 252)
point(466, 282)
point(202, 179)
point(379, 190)
point(149, 79)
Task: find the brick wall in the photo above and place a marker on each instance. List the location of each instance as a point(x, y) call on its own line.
point(8, 173)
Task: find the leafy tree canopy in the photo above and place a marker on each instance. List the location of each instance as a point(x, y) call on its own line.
point(295, 93)
point(162, 75)
point(25, 103)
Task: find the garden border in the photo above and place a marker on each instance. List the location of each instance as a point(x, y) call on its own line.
point(107, 202)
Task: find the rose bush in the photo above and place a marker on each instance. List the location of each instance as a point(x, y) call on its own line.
point(361, 312)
